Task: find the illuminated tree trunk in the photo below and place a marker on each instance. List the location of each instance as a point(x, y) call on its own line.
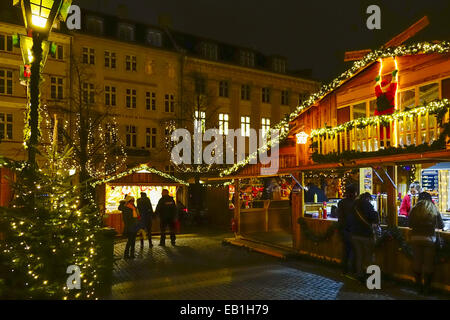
point(34, 93)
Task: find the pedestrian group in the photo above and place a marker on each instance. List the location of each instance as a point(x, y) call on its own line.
point(359, 227)
point(140, 218)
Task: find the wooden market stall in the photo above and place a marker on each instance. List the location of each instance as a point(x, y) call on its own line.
point(113, 189)
point(337, 129)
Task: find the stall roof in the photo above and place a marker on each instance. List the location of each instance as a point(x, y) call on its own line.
point(440, 166)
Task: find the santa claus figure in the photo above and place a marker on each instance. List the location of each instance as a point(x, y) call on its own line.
point(385, 91)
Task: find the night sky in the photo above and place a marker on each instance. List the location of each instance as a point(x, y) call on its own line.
point(311, 34)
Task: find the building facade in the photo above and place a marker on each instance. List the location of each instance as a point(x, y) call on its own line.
point(145, 77)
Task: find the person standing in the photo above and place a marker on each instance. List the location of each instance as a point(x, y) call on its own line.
point(167, 211)
point(144, 206)
point(424, 219)
point(414, 189)
point(130, 219)
point(361, 220)
point(344, 210)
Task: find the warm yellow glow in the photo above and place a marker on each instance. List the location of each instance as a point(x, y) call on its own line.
point(302, 137)
point(38, 21)
point(381, 67)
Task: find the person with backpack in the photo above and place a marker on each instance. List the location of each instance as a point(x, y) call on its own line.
point(363, 220)
point(167, 211)
point(344, 210)
point(424, 219)
point(145, 208)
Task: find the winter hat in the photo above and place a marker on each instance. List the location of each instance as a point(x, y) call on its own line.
point(128, 199)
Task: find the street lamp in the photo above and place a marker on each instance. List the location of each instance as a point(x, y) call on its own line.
point(39, 17)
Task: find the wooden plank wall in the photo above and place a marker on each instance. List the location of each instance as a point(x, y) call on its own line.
point(6, 193)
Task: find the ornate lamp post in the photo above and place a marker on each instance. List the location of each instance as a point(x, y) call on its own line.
point(39, 17)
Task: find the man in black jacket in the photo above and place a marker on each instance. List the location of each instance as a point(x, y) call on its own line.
point(344, 210)
point(167, 211)
point(144, 206)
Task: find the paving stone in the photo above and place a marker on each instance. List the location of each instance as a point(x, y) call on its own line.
point(201, 268)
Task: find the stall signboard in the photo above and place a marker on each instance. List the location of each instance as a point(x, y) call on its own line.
point(430, 180)
point(115, 193)
point(366, 180)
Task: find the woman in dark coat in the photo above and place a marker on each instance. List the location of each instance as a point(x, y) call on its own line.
point(130, 219)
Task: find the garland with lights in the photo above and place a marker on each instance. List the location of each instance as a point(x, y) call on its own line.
point(143, 167)
point(414, 49)
point(42, 240)
point(348, 155)
point(438, 107)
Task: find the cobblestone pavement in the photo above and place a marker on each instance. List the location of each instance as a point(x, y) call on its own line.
point(201, 268)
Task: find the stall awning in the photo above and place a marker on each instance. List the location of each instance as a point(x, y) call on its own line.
point(440, 166)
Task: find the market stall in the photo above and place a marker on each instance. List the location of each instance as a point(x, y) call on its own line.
point(115, 188)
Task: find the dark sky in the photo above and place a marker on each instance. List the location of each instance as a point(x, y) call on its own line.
point(311, 34)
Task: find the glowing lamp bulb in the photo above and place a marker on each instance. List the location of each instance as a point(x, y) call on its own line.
point(302, 137)
point(38, 21)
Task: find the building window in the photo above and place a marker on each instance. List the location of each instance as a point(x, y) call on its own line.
point(407, 99)
point(245, 92)
point(359, 111)
point(88, 93)
point(56, 88)
point(126, 32)
point(265, 95)
point(131, 138)
point(150, 101)
point(60, 52)
point(169, 169)
point(200, 121)
point(285, 98)
point(209, 50)
point(169, 103)
point(131, 63)
point(265, 126)
point(154, 38)
point(95, 25)
point(200, 86)
point(6, 126)
point(150, 139)
point(110, 60)
point(247, 59)
point(223, 89)
point(245, 126)
point(89, 56)
point(6, 82)
point(110, 134)
point(6, 43)
point(223, 123)
point(428, 93)
point(110, 96)
point(279, 65)
point(131, 100)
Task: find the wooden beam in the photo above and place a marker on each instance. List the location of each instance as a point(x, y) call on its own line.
point(408, 33)
point(396, 41)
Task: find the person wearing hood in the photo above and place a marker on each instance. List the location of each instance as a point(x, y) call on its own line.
point(146, 211)
point(130, 218)
point(424, 219)
point(167, 211)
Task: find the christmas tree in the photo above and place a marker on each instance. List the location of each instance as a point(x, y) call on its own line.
point(46, 230)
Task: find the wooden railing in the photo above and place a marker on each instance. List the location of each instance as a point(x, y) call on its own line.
point(405, 130)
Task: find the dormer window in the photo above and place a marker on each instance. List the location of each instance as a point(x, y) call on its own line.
point(247, 58)
point(279, 65)
point(95, 25)
point(126, 32)
point(154, 38)
point(209, 50)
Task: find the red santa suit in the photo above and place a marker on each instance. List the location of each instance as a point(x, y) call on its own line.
point(385, 92)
